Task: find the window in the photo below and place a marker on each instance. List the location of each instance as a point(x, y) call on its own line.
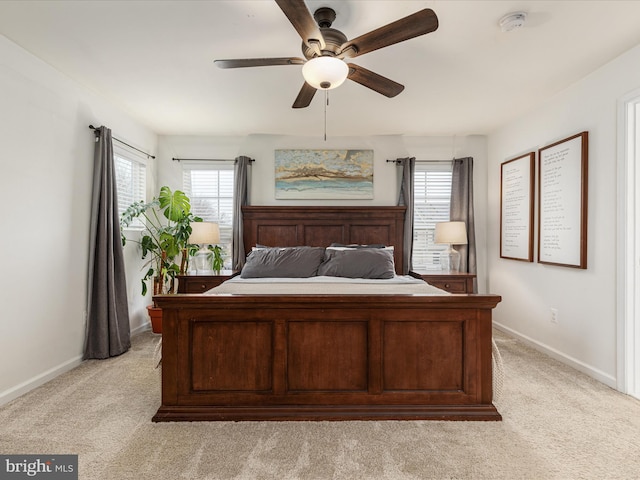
point(432, 199)
point(210, 188)
point(131, 181)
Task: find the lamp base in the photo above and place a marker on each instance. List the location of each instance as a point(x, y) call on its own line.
point(202, 262)
point(450, 260)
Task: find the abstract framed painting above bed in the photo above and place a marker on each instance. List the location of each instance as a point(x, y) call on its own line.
point(324, 174)
point(326, 353)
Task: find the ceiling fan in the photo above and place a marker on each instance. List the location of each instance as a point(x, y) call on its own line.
point(325, 50)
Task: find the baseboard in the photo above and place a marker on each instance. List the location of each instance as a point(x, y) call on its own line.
point(24, 387)
point(141, 328)
point(599, 375)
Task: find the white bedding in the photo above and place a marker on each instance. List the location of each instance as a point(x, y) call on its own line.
point(321, 285)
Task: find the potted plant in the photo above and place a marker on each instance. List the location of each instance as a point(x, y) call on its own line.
point(217, 260)
point(165, 236)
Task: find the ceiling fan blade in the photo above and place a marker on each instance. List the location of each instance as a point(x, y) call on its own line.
point(375, 82)
point(258, 62)
point(419, 23)
point(302, 20)
point(305, 96)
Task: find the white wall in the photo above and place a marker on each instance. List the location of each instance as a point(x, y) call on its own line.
point(585, 335)
point(386, 175)
point(46, 158)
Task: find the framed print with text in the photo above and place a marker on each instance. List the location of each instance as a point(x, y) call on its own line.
point(516, 208)
point(562, 202)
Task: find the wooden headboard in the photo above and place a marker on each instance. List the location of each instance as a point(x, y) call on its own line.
point(319, 226)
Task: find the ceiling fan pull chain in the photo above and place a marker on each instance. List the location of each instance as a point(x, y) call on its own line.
point(326, 102)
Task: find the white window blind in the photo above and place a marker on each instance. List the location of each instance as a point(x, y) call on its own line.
point(210, 188)
point(131, 181)
point(432, 200)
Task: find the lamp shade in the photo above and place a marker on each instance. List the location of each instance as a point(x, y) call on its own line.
point(204, 233)
point(325, 73)
point(453, 233)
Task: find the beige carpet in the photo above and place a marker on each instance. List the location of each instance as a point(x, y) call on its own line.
point(558, 424)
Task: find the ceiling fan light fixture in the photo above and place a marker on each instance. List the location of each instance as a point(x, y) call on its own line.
point(325, 73)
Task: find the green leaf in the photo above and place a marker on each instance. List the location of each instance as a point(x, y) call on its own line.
point(174, 205)
point(148, 245)
point(173, 270)
point(169, 243)
point(216, 258)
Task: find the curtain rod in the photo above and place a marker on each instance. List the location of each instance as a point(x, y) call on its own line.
point(207, 160)
point(424, 161)
point(124, 143)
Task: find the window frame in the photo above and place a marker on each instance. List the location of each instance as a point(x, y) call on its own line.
point(139, 192)
point(226, 228)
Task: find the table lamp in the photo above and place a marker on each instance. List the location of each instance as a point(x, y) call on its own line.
point(204, 234)
point(451, 233)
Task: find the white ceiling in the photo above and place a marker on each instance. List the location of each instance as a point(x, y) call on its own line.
point(155, 60)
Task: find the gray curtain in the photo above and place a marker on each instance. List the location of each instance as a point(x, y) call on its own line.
point(108, 333)
point(406, 199)
point(240, 198)
point(462, 210)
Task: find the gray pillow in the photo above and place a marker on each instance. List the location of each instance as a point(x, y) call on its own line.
point(358, 263)
point(355, 245)
point(291, 262)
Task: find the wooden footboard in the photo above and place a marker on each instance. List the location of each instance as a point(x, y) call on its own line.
point(321, 357)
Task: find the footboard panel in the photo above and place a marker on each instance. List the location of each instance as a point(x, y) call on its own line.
point(326, 357)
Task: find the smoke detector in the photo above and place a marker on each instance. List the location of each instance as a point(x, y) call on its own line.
point(512, 21)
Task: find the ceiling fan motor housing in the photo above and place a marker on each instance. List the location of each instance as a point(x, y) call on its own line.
point(333, 39)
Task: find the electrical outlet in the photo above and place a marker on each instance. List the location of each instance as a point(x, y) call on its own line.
point(554, 315)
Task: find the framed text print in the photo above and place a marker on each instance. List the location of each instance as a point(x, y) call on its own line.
point(562, 202)
point(516, 208)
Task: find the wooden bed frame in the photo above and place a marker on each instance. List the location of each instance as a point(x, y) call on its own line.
point(326, 357)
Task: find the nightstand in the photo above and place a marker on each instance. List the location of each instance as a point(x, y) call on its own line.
point(201, 283)
point(451, 282)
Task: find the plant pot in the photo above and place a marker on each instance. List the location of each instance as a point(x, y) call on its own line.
point(155, 315)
